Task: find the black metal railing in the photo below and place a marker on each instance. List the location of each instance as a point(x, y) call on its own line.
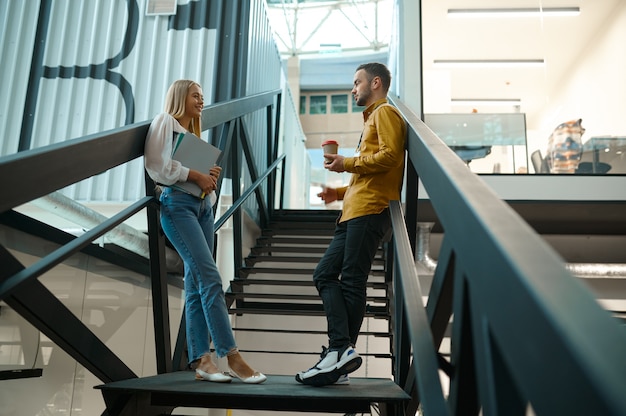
point(38, 172)
point(524, 332)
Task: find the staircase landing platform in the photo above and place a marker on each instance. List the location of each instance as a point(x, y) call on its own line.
point(160, 394)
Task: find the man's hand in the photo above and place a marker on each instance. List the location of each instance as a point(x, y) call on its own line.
point(328, 195)
point(336, 164)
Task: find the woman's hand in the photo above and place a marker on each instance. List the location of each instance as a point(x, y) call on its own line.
point(215, 172)
point(206, 182)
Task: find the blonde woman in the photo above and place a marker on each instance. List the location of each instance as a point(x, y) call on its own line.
point(188, 223)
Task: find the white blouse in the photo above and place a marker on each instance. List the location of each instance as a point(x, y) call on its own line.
point(158, 152)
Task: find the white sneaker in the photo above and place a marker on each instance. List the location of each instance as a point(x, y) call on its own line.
point(319, 373)
point(330, 367)
point(343, 380)
point(349, 361)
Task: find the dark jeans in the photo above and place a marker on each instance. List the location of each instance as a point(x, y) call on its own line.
point(350, 254)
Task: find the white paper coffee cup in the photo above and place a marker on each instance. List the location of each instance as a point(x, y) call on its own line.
point(330, 147)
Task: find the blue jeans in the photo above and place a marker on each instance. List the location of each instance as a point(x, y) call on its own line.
point(189, 225)
point(350, 254)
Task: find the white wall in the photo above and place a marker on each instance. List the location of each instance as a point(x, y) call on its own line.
point(594, 89)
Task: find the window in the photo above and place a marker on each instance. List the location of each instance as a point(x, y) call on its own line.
point(160, 7)
point(317, 104)
point(303, 104)
point(339, 104)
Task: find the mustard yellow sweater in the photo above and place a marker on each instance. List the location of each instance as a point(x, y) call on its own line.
point(378, 168)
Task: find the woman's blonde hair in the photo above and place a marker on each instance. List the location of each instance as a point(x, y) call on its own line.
point(175, 100)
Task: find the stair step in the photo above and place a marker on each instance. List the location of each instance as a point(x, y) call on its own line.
point(281, 393)
point(304, 239)
point(302, 223)
point(314, 353)
point(295, 249)
point(292, 249)
point(246, 271)
point(315, 297)
point(317, 231)
point(255, 259)
point(251, 260)
point(377, 334)
point(306, 215)
point(277, 308)
point(247, 282)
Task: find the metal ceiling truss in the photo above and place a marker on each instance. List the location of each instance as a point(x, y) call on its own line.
point(294, 9)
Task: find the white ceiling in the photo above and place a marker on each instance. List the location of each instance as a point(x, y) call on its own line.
point(560, 41)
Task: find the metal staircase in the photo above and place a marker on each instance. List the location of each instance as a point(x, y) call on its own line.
point(275, 301)
point(278, 318)
point(277, 278)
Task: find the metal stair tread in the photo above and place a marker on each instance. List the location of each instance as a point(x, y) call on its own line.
point(296, 249)
point(266, 240)
point(313, 353)
point(378, 334)
point(284, 249)
point(291, 282)
point(261, 258)
point(297, 231)
point(245, 271)
point(294, 296)
point(283, 308)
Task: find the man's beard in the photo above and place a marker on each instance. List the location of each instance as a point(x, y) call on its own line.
point(362, 99)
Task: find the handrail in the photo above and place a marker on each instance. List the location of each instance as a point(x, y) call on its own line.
point(64, 252)
point(407, 287)
point(40, 171)
point(253, 187)
point(524, 329)
point(219, 113)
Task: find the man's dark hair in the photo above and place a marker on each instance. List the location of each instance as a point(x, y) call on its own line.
point(375, 69)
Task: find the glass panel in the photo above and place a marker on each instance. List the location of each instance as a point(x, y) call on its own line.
point(478, 129)
point(488, 143)
point(318, 104)
point(531, 68)
point(339, 104)
point(603, 155)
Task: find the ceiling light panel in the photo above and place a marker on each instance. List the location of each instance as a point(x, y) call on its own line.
point(487, 63)
point(514, 12)
point(485, 101)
